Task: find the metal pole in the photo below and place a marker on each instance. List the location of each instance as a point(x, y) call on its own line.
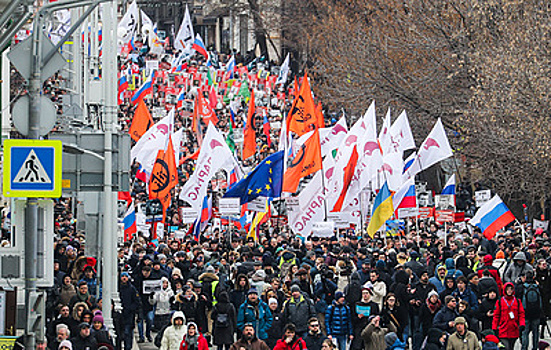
point(31, 211)
point(109, 234)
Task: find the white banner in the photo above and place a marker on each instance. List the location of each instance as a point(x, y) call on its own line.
point(323, 229)
point(482, 197)
point(189, 215)
point(229, 206)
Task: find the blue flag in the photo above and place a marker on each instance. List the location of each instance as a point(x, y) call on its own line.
point(265, 180)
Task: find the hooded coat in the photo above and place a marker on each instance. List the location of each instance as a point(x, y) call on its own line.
point(506, 326)
point(436, 281)
point(173, 335)
point(433, 339)
point(223, 335)
point(298, 312)
point(162, 299)
point(519, 266)
point(488, 261)
point(452, 271)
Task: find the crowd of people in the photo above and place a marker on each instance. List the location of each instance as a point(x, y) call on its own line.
point(414, 290)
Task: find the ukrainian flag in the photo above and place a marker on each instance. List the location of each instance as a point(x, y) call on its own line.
point(382, 210)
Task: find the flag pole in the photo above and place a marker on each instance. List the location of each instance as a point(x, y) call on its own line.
point(523, 231)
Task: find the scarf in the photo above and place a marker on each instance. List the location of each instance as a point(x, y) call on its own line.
point(433, 307)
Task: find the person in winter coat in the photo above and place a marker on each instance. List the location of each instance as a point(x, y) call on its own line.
point(400, 289)
point(248, 340)
point(130, 300)
point(462, 338)
point(162, 301)
point(519, 267)
point(373, 334)
point(393, 313)
point(353, 291)
point(488, 261)
point(530, 295)
point(210, 286)
point(361, 312)
point(428, 310)
point(67, 290)
point(378, 289)
point(444, 319)
point(438, 279)
point(298, 310)
point(436, 339)
point(100, 332)
point(275, 332)
point(452, 271)
point(188, 302)
point(338, 320)
point(393, 342)
point(173, 334)
point(462, 292)
point(487, 282)
point(83, 339)
point(543, 278)
point(255, 312)
point(193, 339)
point(315, 337)
point(449, 287)
point(490, 342)
point(500, 263)
point(486, 309)
point(509, 321)
point(238, 293)
point(290, 340)
point(224, 322)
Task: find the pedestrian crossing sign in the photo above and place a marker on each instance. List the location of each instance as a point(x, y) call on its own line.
point(32, 168)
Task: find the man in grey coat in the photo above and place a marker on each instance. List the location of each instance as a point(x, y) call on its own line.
point(519, 267)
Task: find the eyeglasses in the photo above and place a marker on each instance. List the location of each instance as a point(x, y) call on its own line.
point(314, 325)
point(391, 299)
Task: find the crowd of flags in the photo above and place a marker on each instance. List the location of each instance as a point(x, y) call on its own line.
point(333, 165)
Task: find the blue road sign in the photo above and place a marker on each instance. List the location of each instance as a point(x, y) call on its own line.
point(32, 168)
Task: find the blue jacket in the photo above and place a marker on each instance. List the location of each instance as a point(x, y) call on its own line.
point(338, 320)
point(248, 314)
point(468, 296)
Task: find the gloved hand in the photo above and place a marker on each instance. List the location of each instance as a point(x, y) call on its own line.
point(521, 329)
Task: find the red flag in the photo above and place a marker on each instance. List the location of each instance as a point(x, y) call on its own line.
point(249, 135)
point(307, 161)
point(141, 122)
point(164, 177)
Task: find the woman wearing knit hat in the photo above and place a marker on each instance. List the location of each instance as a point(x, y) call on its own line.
point(193, 339)
point(100, 332)
point(65, 345)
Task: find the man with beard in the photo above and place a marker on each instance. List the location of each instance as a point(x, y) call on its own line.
point(248, 340)
point(315, 337)
point(290, 340)
point(256, 312)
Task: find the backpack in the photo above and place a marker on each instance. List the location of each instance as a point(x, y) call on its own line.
point(531, 300)
point(222, 320)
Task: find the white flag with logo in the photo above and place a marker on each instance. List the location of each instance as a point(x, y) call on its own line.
point(146, 149)
point(128, 24)
point(311, 207)
point(434, 149)
point(330, 138)
point(185, 35)
point(401, 138)
point(384, 134)
point(214, 155)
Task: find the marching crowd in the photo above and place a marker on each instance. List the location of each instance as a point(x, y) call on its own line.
point(410, 291)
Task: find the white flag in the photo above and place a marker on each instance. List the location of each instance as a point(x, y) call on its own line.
point(185, 35)
point(344, 153)
point(59, 25)
point(214, 155)
point(177, 138)
point(330, 138)
point(434, 149)
point(283, 71)
point(401, 138)
point(156, 138)
point(128, 24)
point(384, 134)
point(392, 167)
point(311, 207)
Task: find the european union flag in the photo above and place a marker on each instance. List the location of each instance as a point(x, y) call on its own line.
point(265, 180)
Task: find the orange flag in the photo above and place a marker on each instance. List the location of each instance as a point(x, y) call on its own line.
point(141, 122)
point(206, 113)
point(303, 117)
point(307, 161)
point(164, 177)
point(249, 135)
point(348, 173)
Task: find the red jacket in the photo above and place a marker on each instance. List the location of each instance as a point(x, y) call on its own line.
point(299, 344)
point(202, 343)
point(487, 263)
point(506, 326)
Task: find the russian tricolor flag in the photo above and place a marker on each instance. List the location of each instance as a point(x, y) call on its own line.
point(450, 186)
point(144, 90)
point(129, 222)
point(203, 218)
point(181, 98)
point(408, 162)
point(405, 196)
point(199, 46)
point(492, 216)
